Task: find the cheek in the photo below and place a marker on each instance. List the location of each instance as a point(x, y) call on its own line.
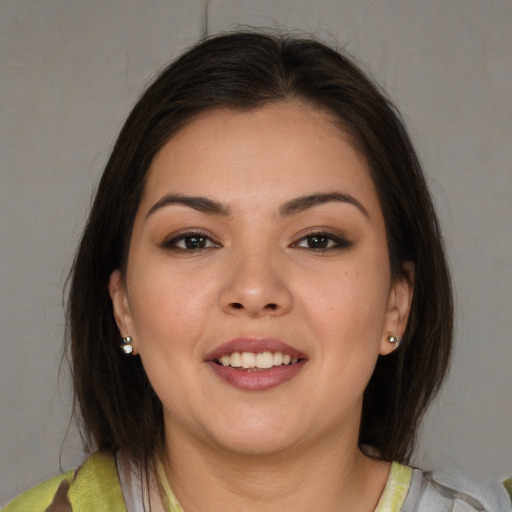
point(170, 322)
point(347, 319)
point(353, 301)
point(169, 311)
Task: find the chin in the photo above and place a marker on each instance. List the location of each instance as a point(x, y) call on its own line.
point(262, 444)
point(261, 437)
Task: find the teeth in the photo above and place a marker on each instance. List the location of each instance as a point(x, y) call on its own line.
point(262, 360)
point(248, 360)
point(236, 360)
point(278, 359)
point(265, 360)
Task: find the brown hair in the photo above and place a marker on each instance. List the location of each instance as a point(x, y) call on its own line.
point(245, 70)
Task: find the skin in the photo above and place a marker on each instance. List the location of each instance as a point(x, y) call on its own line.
point(260, 275)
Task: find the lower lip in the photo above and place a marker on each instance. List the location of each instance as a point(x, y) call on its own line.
point(256, 380)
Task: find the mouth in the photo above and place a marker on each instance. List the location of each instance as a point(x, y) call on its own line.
point(256, 364)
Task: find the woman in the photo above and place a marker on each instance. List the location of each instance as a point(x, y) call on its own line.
point(263, 242)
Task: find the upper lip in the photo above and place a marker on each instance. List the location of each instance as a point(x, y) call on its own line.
point(254, 345)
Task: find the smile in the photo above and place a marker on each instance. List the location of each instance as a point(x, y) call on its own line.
point(259, 361)
point(256, 364)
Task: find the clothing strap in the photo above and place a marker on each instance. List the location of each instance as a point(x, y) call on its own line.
point(397, 487)
point(138, 498)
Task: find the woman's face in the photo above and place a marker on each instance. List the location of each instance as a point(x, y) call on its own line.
point(258, 289)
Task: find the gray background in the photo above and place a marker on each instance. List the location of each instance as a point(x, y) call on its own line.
point(71, 70)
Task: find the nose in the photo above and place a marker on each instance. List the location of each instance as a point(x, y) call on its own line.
point(256, 285)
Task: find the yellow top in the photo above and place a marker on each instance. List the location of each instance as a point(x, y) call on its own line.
point(508, 486)
point(396, 489)
point(95, 486)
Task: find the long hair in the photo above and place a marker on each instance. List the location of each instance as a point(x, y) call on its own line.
point(246, 70)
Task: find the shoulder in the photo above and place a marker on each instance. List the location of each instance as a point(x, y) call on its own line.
point(452, 491)
point(39, 497)
point(93, 486)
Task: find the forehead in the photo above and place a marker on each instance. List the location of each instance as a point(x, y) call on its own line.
point(280, 149)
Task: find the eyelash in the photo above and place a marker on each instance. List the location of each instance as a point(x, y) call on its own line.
point(172, 244)
point(332, 242)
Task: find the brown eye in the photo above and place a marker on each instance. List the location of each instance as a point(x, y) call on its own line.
point(190, 242)
point(317, 242)
point(322, 242)
point(195, 242)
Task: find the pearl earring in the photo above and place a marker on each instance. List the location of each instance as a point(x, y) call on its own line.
point(126, 345)
point(395, 341)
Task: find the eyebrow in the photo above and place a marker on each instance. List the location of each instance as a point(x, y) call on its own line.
point(302, 203)
point(202, 204)
point(292, 207)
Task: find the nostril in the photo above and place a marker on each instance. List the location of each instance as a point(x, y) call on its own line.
point(272, 306)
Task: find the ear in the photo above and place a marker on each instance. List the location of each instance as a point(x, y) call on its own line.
point(121, 306)
point(398, 308)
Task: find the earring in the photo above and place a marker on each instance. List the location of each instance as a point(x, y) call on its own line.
point(395, 341)
point(126, 345)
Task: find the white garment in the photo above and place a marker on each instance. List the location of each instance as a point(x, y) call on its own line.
point(447, 491)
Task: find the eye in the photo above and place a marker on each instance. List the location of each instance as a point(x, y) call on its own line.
point(188, 242)
point(322, 242)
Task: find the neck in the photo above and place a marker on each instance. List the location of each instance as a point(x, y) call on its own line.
point(328, 475)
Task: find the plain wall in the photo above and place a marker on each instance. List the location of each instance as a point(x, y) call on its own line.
point(71, 70)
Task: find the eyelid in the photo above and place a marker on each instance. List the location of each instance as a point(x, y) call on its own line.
point(340, 240)
point(171, 241)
